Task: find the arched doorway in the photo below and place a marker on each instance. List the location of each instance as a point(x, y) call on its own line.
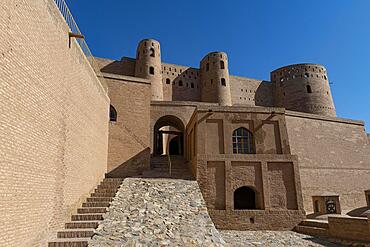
point(168, 136)
point(245, 198)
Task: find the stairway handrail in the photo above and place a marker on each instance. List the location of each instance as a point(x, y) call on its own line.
point(168, 155)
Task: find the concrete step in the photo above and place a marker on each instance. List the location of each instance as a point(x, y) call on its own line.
point(82, 224)
point(76, 233)
point(98, 194)
point(315, 223)
point(86, 217)
point(101, 210)
point(95, 204)
point(99, 199)
point(70, 242)
point(313, 231)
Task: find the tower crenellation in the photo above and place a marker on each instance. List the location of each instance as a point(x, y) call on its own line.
point(149, 65)
point(215, 81)
point(303, 88)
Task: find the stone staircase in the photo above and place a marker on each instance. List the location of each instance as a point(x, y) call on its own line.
point(79, 231)
point(160, 168)
point(313, 227)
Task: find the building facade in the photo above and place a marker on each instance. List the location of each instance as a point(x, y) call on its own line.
point(278, 142)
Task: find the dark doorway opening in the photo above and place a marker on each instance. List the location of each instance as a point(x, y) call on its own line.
point(169, 136)
point(244, 198)
point(175, 146)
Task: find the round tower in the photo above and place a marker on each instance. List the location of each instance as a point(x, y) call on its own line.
point(215, 82)
point(149, 66)
point(303, 88)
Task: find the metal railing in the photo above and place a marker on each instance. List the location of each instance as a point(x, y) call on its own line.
point(168, 156)
point(67, 15)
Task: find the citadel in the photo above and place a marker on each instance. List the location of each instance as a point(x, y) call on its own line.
point(265, 155)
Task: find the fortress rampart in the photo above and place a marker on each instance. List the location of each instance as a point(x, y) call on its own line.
point(298, 87)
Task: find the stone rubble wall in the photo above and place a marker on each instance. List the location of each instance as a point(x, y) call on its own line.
point(157, 212)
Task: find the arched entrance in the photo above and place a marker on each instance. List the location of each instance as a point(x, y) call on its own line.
point(245, 198)
point(168, 136)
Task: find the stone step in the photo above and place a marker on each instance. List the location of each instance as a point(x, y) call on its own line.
point(314, 223)
point(98, 194)
point(173, 170)
point(313, 231)
point(91, 210)
point(113, 179)
point(115, 184)
point(95, 204)
point(76, 233)
point(106, 190)
point(107, 186)
point(99, 199)
point(70, 242)
point(82, 224)
point(86, 217)
point(173, 176)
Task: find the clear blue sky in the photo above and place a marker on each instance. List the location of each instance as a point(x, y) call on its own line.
point(258, 36)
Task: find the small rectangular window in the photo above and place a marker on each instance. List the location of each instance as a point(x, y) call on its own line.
point(151, 70)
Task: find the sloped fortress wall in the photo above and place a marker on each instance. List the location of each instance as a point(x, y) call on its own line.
point(53, 123)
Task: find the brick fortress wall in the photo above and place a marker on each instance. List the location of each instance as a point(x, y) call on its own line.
point(333, 157)
point(53, 123)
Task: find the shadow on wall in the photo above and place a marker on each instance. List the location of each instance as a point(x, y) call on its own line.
point(360, 212)
point(132, 167)
point(185, 85)
point(124, 67)
point(264, 94)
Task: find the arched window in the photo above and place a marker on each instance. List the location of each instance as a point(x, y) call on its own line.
point(151, 70)
point(180, 83)
point(222, 64)
point(152, 52)
point(168, 81)
point(242, 141)
point(244, 198)
point(309, 89)
point(192, 85)
point(207, 66)
point(112, 114)
point(223, 82)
